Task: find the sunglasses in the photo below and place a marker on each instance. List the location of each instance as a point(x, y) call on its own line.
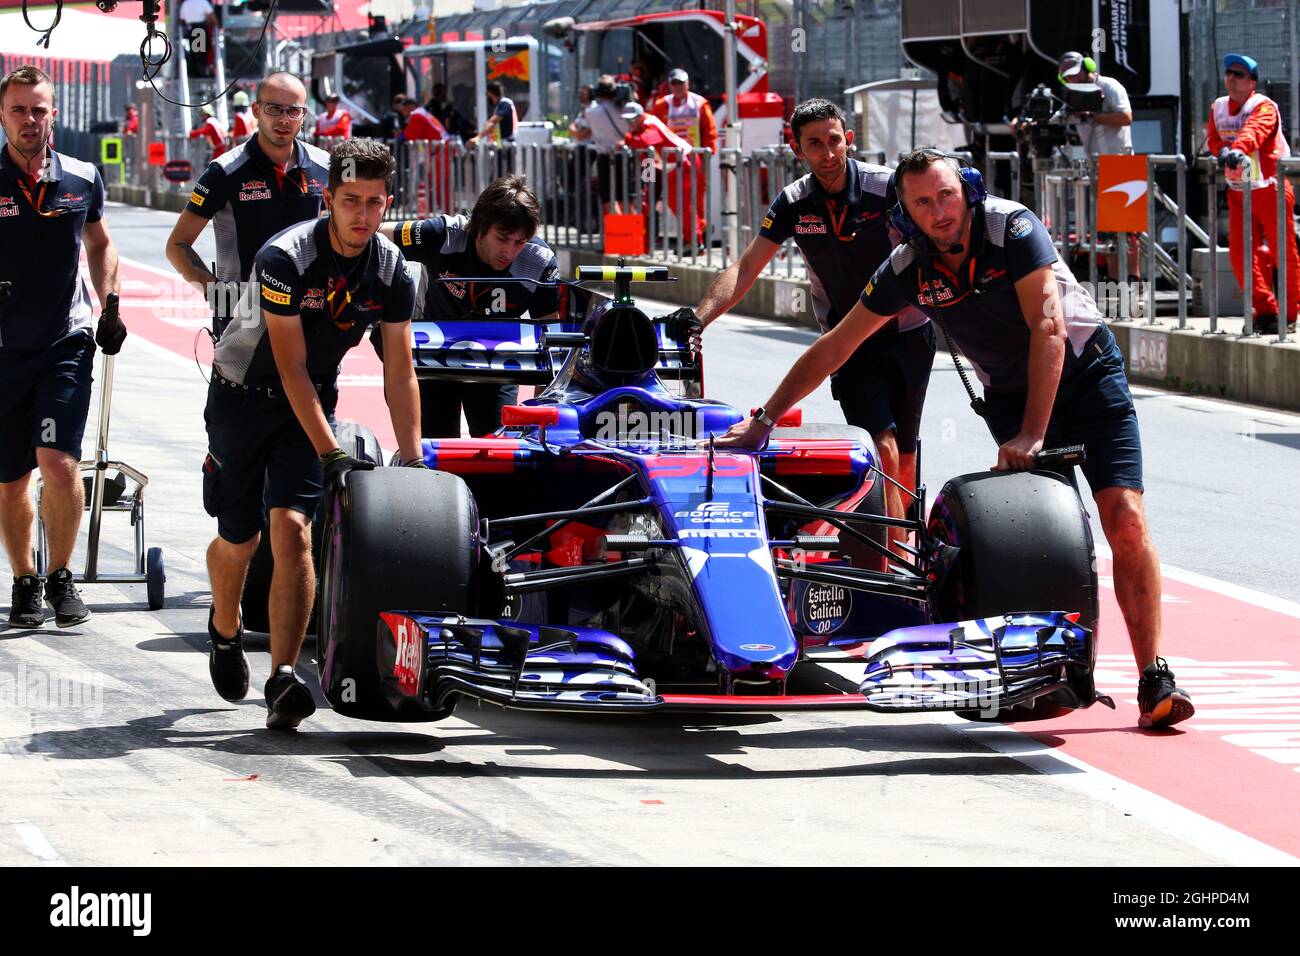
point(275, 110)
point(1237, 73)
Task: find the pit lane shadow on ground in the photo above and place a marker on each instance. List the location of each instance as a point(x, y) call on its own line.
point(161, 732)
point(687, 747)
point(668, 747)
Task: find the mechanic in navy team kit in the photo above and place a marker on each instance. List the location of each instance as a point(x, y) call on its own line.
point(499, 240)
point(266, 184)
point(319, 286)
point(838, 216)
point(50, 206)
point(1051, 370)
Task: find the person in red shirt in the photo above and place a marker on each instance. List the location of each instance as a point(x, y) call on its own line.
point(646, 131)
point(420, 123)
point(690, 116)
point(335, 121)
point(211, 130)
point(131, 124)
point(242, 124)
point(1245, 132)
point(423, 126)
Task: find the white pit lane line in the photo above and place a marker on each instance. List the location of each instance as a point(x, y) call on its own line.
point(36, 843)
point(1142, 804)
point(1152, 809)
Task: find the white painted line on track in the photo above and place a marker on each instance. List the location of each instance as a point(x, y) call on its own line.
point(1144, 805)
point(1237, 592)
point(36, 843)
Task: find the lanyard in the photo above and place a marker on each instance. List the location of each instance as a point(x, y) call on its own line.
point(837, 222)
point(38, 199)
point(339, 284)
point(297, 176)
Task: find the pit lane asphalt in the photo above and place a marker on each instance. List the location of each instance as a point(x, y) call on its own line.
point(150, 766)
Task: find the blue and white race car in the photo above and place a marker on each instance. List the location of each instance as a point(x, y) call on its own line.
point(599, 555)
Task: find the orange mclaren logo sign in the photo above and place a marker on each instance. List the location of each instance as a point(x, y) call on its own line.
point(509, 67)
point(1121, 193)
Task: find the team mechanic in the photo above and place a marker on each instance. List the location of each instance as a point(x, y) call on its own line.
point(264, 185)
point(498, 241)
point(838, 216)
point(1049, 365)
point(320, 285)
point(50, 204)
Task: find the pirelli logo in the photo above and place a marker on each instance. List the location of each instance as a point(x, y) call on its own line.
point(279, 298)
point(406, 233)
point(196, 199)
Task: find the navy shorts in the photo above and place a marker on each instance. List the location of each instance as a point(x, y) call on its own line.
point(1094, 409)
point(258, 458)
point(441, 403)
point(883, 384)
point(44, 399)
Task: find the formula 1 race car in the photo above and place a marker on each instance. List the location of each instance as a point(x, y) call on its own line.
point(599, 554)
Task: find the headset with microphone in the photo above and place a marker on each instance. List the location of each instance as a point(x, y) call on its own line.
point(972, 184)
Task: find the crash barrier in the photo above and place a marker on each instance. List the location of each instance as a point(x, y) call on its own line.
point(1179, 165)
point(677, 193)
point(1286, 168)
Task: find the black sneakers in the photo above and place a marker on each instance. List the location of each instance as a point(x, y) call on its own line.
point(288, 700)
point(25, 609)
point(61, 594)
point(227, 664)
point(1160, 702)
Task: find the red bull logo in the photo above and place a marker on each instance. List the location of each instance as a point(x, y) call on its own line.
point(511, 67)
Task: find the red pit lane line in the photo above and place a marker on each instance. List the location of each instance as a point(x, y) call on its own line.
point(1237, 761)
point(157, 305)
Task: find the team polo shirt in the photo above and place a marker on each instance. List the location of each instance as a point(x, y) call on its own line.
point(249, 200)
point(294, 274)
point(443, 245)
point(843, 237)
point(41, 254)
point(978, 306)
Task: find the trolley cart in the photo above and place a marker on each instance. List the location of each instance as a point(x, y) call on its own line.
point(123, 491)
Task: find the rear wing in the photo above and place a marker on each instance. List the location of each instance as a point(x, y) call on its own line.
point(519, 351)
point(527, 351)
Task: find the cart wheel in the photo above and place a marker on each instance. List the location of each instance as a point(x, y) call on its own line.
point(155, 578)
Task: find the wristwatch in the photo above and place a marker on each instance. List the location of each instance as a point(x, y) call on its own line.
point(762, 418)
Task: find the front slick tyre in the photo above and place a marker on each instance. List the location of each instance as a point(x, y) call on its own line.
point(395, 539)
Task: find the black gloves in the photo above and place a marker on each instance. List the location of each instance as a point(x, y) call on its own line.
point(1231, 158)
point(685, 325)
point(111, 332)
point(337, 464)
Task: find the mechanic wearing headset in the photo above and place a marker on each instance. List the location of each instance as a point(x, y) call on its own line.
point(838, 216)
point(50, 205)
point(1050, 367)
point(267, 183)
point(498, 240)
point(317, 288)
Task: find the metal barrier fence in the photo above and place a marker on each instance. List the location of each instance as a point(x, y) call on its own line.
point(679, 197)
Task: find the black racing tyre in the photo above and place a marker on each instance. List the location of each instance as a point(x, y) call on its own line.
point(1025, 545)
point(359, 442)
point(874, 503)
point(395, 539)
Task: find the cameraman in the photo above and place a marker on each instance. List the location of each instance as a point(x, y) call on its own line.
point(1108, 131)
point(605, 120)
